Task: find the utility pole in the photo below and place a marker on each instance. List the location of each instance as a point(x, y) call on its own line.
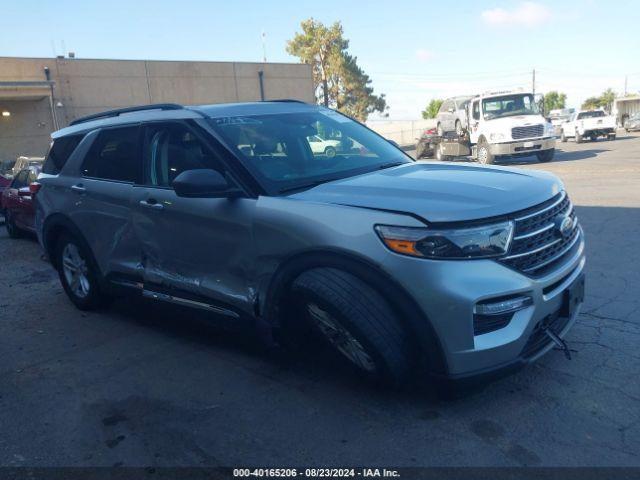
point(264, 48)
point(625, 85)
point(533, 81)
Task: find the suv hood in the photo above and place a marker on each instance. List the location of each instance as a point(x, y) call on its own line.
point(440, 192)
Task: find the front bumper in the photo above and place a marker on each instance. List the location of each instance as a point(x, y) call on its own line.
point(523, 147)
point(448, 291)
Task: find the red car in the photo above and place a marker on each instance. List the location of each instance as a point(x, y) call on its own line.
point(17, 202)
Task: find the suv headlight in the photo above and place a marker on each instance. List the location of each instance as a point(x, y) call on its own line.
point(476, 242)
point(496, 136)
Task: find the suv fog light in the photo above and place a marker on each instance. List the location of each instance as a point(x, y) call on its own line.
point(503, 306)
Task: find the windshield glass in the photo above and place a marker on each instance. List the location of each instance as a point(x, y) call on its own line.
point(509, 105)
point(287, 151)
point(593, 114)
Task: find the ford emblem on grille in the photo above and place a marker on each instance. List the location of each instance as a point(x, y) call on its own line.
point(564, 225)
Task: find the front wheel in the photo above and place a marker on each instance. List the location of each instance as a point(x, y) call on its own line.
point(563, 137)
point(458, 128)
point(546, 155)
point(356, 321)
point(78, 274)
point(10, 224)
point(330, 152)
point(485, 156)
point(578, 137)
point(439, 129)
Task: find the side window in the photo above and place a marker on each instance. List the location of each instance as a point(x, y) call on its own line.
point(20, 180)
point(114, 156)
point(476, 110)
point(443, 107)
point(169, 150)
point(59, 152)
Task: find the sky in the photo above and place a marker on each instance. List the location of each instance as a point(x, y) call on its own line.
point(412, 50)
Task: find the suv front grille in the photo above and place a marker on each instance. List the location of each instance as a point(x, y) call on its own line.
point(538, 246)
point(527, 132)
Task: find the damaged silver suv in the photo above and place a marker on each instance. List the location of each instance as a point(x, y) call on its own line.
point(454, 270)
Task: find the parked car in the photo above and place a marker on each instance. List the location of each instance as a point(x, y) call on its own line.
point(26, 162)
point(17, 202)
point(632, 123)
point(589, 124)
point(320, 145)
point(459, 271)
point(452, 117)
point(426, 146)
point(4, 183)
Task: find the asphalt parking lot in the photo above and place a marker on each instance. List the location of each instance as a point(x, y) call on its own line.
point(147, 384)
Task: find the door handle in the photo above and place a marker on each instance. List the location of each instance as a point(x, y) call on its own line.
point(151, 204)
point(79, 188)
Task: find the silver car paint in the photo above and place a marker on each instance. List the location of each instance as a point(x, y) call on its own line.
point(230, 249)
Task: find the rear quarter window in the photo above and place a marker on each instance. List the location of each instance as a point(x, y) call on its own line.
point(59, 152)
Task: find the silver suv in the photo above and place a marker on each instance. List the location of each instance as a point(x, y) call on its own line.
point(452, 116)
point(456, 270)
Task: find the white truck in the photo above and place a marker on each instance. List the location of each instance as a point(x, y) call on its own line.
point(589, 124)
point(502, 124)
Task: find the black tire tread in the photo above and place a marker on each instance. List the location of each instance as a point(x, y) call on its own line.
point(368, 311)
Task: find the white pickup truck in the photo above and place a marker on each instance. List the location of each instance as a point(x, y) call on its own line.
point(589, 124)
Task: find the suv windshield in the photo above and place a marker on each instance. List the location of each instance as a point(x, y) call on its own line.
point(509, 105)
point(289, 151)
point(593, 114)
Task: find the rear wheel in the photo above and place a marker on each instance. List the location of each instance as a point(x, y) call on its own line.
point(330, 152)
point(78, 274)
point(563, 137)
point(578, 137)
point(10, 224)
point(458, 128)
point(612, 136)
point(485, 156)
point(420, 149)
point(440, 129)
point(546, 155)
point(356, 321)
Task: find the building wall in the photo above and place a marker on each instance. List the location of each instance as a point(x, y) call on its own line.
point(85, 86)
point(403, 132)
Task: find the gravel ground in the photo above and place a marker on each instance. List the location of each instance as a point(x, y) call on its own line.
point(147, 384)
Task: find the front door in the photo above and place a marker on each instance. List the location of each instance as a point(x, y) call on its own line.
point(191, 246)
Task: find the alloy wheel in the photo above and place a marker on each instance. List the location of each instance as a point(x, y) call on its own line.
point(75, 271)
point(340, 338)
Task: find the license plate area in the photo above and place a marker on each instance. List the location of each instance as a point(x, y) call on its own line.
point(573, 296)
point(528, 145)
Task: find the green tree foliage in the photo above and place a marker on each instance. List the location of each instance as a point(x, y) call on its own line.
point(340, 83)
point(554, 100)
point(605, 100)
point(432, 108)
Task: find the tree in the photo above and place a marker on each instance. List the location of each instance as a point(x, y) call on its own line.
point(338, 80)
point(605, 100)
point(432, 108)
point(591, 103)
point(554, 100)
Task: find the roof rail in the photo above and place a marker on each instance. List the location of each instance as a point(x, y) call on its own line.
point(120, 111)
point(292, 100)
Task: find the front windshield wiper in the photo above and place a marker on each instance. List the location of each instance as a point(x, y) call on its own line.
point(304, 186)
point(391, 164)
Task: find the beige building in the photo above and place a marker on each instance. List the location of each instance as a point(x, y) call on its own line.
point(40, 95)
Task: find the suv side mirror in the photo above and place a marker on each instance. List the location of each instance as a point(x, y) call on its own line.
point(204, 183)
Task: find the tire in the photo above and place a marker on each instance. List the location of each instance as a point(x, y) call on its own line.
point(458, 128)
point(578, 137)
point(357, 322)
point(12, 229)
point(563, 138)
point(330, 152)
point(439, 129)
point(485, 157)
point(420, 149)
point(612, 137)
point(546, 155)
point(86, 293)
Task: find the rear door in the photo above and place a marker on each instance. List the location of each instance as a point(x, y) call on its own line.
point(199, 247)
point(103, 195)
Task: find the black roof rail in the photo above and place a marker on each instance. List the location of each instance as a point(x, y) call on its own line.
point(119, 111)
